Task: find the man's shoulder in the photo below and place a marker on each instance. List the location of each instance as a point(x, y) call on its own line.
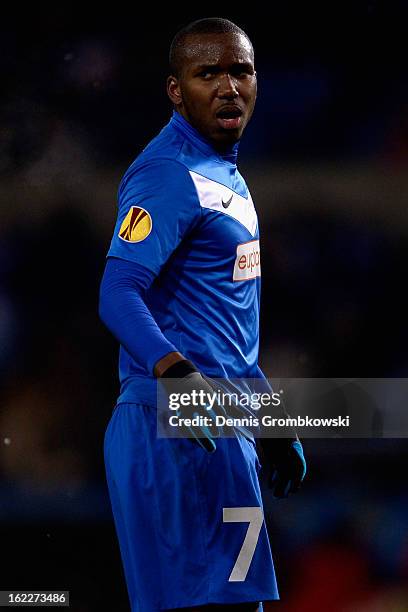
point(159, 159)
point(165, 145)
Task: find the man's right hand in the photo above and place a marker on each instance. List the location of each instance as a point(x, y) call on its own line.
point(183, 378)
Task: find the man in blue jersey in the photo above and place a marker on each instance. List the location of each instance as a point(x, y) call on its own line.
point(181, 294)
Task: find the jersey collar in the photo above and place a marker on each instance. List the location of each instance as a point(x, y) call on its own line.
point(200, 142)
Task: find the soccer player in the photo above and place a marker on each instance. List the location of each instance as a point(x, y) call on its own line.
point(181, 294)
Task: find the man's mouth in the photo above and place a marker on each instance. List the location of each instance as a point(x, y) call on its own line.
point(229, 117)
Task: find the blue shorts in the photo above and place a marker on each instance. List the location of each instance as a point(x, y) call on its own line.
point(190, 524)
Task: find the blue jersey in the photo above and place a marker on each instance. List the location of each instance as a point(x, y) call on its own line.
point(186, 214)
point(193, 533)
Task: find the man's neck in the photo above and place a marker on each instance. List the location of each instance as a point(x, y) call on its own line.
point(228, 152)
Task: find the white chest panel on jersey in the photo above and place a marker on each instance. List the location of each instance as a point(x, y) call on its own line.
point(215, 196)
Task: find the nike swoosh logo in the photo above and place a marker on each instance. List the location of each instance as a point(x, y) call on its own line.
point(227, 203)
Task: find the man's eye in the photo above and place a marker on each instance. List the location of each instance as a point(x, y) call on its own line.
point(241, 73)
point(206, 74)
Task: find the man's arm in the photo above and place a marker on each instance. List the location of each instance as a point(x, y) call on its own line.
point(284, 456)
point(124, 312)
point(164, 364)
point(121, 305)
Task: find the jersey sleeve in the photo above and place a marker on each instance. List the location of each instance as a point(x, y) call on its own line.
point(157, 207)
point(121, 304)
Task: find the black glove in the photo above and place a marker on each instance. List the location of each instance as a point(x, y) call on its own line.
point(285, 458)
point(183, 377)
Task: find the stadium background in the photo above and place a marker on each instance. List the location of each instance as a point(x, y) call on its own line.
point(326, 159)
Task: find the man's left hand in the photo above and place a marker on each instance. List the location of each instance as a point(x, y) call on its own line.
point(287, 462)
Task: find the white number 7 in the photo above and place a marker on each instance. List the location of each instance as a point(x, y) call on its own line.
point(253, 516)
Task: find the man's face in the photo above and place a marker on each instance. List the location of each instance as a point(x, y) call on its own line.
point(216, 89)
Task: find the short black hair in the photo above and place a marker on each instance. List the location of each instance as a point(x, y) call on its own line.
point(209, 25)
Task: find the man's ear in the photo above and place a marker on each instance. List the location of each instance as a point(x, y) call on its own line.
point(173, 90)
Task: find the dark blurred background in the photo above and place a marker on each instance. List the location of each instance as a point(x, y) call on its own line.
point(326, 159)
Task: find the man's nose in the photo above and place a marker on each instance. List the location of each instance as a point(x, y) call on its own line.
point(227, 87)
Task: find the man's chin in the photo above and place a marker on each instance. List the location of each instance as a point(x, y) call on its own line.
point(224, 140)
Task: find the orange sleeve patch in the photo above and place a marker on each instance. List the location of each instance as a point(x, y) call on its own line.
point(136, 226)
